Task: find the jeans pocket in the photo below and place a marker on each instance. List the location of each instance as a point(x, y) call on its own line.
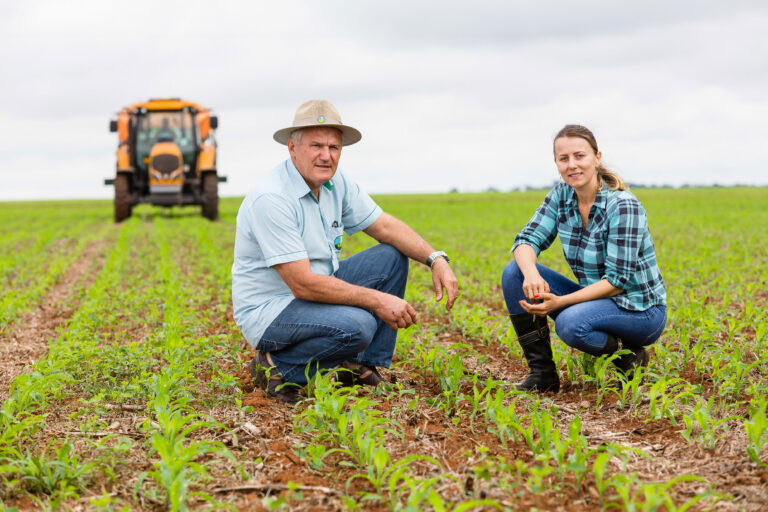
point(266, 346)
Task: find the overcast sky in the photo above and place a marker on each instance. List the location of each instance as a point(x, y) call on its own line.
point(447, 94)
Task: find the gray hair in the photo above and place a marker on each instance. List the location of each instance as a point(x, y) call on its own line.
point(296, 136)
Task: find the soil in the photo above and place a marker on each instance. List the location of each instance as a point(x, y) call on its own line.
point(27, 339)
point(268, 446)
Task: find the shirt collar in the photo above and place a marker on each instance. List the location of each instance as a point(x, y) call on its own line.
point(570, 196)
point(600, 198)
point(300, 186)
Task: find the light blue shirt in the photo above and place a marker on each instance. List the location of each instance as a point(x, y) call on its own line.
point(281, 220)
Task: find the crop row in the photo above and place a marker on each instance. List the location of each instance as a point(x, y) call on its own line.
point(139, 403)
point(37, 246)
point(133, 344)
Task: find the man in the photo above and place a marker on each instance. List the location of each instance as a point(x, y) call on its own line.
point(294, 301)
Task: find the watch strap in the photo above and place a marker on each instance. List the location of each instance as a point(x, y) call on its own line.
point(433, 257)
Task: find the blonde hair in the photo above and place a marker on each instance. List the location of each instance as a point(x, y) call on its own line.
point(604, 175)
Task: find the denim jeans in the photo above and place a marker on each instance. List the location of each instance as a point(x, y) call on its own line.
point(586, 325)
point(325, 335)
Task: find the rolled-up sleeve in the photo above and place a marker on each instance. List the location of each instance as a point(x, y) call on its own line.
point(275, 225)
point(358, 209)
point(627, 225)
point(541, 230)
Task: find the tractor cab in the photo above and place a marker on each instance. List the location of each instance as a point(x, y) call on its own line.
point(166, 156)
point(166, 144)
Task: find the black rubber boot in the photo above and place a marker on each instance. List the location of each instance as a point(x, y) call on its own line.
point(627, 363)
point(611, 346)
point(533, 336)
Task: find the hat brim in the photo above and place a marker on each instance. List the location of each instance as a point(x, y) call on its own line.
point(349, 135)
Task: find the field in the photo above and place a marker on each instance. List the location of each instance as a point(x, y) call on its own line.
point(123, 382)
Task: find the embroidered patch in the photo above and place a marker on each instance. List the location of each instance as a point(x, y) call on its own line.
point(320, 119)
point(337, 243)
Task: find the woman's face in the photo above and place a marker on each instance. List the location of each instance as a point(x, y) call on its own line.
point(577, 163)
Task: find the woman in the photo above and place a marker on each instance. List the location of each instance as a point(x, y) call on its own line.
point(620, 297)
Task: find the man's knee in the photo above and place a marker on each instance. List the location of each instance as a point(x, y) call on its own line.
point(396, 269)
point(358, 328)
point(398, 259)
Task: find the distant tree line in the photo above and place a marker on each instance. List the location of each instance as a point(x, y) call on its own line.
point(525, 188)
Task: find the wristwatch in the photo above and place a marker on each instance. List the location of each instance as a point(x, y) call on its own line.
point(433, 257)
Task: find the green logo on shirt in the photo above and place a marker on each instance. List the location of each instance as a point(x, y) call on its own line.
point(337, 243)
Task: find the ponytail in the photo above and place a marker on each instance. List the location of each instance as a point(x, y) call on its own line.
point(610, 179)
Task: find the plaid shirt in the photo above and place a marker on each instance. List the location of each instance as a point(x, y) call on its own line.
point(616, 244)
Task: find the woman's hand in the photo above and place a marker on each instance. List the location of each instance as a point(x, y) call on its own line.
point(533, 286)
point(543, 304)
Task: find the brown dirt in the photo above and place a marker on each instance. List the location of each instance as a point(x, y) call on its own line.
point(27, 339)
point(265, 442)
point(726, 467)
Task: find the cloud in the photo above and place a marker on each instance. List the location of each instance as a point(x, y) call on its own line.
point(447, 94)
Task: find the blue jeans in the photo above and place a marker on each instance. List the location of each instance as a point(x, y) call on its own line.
point(326, 335)
point(586, 325)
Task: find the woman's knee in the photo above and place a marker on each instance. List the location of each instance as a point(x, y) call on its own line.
point(511, 275)
point(569, 328)
point(512, 279)
point(512, 287)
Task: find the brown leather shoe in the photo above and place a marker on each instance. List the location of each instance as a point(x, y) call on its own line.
point(267, 378)
point(363, 376)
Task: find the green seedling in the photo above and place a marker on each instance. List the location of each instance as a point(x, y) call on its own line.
point(757, 430)
point(501, 417)
point(701, 418)
point(664, 396)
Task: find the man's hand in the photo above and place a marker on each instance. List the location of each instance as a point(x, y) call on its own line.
point(395, 312)
point(545, 303)
point(389, 230)
point(444, 280)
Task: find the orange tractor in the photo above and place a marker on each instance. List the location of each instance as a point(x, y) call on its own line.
point(166, 156)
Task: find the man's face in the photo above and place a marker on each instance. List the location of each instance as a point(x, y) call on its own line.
point(317, 155)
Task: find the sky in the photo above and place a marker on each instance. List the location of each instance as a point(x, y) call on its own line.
point(448, 95)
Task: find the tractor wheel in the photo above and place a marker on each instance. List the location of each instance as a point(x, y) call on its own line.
point(122, 198)
point(210, 196)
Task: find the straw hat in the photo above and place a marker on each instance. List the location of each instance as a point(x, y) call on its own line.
point(318, 113)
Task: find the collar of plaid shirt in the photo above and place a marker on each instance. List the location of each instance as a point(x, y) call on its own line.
point(574, 217)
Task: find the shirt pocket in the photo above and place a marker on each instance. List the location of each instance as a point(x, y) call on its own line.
point(337, 239)
point(336, 242)
point(594, 253)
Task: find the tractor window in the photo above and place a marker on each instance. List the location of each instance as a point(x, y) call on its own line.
point(177, 127)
